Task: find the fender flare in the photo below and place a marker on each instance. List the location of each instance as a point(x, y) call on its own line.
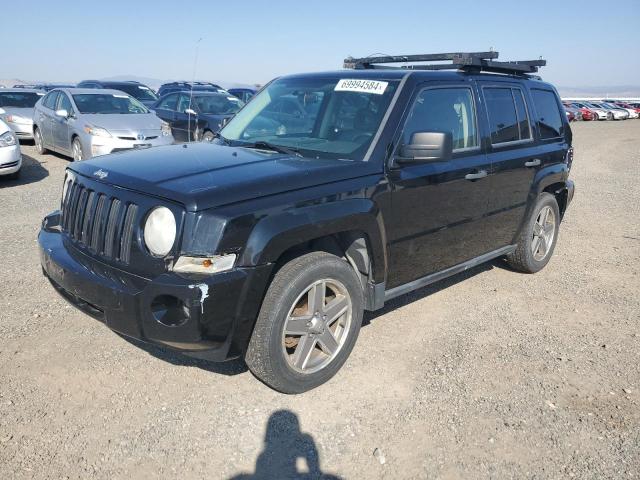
point(275, 234)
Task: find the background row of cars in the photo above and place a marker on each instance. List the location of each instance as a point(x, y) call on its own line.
point(100, 117)
point(601, 110)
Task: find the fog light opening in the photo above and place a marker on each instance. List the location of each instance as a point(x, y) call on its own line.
point(169, 311)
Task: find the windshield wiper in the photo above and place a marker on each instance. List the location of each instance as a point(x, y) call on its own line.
point(275, 148)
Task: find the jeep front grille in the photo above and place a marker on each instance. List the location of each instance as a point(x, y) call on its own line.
point(98, 222)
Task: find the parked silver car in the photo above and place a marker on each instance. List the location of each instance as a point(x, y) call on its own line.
point(16, 110)
point(85, 123)
point(10, 157)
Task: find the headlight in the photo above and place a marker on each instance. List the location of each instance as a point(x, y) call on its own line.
point(166, 129)
point(160, 231)
point(7, 139)
point(205, 265)
point(18, 120)
point(96, 131)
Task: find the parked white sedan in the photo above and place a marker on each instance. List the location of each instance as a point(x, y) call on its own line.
point(10, 157)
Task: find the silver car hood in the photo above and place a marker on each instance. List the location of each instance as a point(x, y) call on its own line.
point(123, 122)
point(20, 112)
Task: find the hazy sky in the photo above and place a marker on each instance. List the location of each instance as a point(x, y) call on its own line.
point(586, 43)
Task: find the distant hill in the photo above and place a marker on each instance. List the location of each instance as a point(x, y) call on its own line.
point(611, 91)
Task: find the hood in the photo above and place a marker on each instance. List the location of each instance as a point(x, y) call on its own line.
point(202, 175)
point(123, 122)
point(20, 112)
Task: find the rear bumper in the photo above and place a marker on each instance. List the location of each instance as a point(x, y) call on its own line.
point(210, 318)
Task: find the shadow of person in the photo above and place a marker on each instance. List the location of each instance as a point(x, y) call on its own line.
point(286, 451)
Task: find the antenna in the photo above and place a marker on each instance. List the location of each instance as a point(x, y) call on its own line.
point(195, 67)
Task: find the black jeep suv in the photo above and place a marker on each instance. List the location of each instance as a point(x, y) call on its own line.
point(326, 195)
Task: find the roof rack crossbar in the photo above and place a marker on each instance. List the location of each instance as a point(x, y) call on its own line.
point(467, 61)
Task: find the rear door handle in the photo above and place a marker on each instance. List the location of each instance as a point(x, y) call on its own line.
point(533, 163)
point(476, 176)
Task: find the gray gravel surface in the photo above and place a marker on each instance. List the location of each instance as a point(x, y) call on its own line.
point(490, 374)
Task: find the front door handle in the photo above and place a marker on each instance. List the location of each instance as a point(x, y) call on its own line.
point(533, 163)
point(476, 176)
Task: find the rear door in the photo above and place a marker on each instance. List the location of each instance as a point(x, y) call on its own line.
point(166, 110)
point(514, 155)
point(438, 208)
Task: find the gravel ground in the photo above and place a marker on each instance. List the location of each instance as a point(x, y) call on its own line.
point(491, 373)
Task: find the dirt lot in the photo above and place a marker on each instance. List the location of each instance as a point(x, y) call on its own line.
point(489, 374)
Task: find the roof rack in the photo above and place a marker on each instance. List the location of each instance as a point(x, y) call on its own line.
point(467, 61)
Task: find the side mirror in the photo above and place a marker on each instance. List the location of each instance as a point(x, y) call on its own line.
point(189, 111)
point(62, 113)
point(427, 147)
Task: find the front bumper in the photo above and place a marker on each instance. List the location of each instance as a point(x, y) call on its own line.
point(210, 318)
point(10, 159)
point(97, 146)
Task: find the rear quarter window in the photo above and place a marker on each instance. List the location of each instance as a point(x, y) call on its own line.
point(549, 119)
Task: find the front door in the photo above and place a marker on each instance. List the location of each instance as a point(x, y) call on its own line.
point(60, 125)
point(438, 208)
point(166, 110)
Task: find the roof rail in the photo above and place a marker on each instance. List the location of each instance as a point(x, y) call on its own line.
point(466, 61)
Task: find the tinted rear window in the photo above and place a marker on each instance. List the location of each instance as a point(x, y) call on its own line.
point(503, 119)
point(549, 116)
point(19, 99)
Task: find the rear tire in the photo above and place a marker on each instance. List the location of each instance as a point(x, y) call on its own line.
point(308, 324)
point(37, 138)
point(538, 237)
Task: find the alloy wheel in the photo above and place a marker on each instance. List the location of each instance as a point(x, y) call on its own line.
point(317, 326)
point(543, 233)
point(77, 151)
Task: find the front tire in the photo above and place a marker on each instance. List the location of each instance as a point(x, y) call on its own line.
point(37, 138)
point(76, 150)
point(308, 324)
point(208, 136)
point(538, 237)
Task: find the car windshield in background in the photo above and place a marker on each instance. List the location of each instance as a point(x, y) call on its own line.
point(325, 117)
point(108, 103)
point(19, 99)
point(217, 104)
point(138, 91)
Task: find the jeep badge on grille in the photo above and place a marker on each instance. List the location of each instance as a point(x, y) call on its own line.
point(101, 174)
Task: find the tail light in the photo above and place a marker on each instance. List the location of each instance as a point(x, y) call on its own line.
point(569, 158)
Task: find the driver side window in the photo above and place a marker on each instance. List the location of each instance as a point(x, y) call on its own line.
point(168, 102)
point(184, 103)
point(444, 110)
point(65, 104)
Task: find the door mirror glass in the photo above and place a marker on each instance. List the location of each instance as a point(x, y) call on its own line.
point(190, 111)
point(62, 113)
point(427, 147)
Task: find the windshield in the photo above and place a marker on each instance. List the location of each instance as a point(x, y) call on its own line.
point(217, 104)
point(138, 91)
point(19, 99)
point(321, 117)
point(108, 103)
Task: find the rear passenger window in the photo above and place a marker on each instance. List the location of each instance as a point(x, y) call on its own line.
point(508, 118)
point(549, 117)
point(444, 110)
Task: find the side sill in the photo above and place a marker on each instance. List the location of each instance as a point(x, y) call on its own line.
point(442, 274)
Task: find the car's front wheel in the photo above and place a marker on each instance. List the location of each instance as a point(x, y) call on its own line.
point(76, 150)
point(308, 324)
point(538, 237)
point(37, 138)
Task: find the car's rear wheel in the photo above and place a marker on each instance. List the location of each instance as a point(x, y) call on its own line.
point(37, 138)
point(308, 324)
point(208, 136)
point(538, 237)
point(76, 150)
